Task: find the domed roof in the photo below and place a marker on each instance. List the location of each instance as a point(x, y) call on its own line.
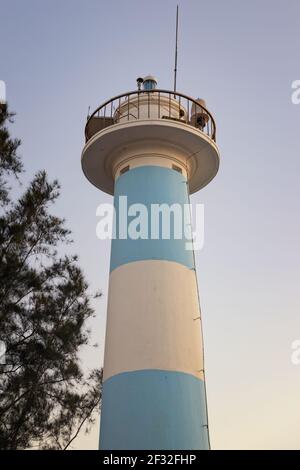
point(150, 77)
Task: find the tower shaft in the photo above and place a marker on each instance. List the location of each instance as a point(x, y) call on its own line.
point(153, 391)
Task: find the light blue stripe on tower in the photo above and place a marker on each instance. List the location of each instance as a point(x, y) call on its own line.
point(151, 185)
point(154, 409)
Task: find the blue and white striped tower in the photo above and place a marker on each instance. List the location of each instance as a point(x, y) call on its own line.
point(154, 147)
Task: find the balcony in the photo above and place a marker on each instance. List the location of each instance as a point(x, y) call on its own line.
point(150, 122)
point(141, 105)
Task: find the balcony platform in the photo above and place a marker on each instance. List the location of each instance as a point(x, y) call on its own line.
point(154, 123)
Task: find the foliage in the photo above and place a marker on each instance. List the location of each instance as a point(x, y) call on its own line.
point(45, 398)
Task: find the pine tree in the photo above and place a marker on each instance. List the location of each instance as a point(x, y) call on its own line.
point(45, 397)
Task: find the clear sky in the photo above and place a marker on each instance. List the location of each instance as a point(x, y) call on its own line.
point(57, 57)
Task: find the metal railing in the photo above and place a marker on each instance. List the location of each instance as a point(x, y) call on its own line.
point(153, 104)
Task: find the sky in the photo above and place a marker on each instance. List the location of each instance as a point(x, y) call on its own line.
point(57, 57)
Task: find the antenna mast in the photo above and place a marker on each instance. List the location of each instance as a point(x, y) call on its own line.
point(176, 44)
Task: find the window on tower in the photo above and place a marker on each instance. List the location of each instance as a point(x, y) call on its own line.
point(124, 169)
point(177, 168)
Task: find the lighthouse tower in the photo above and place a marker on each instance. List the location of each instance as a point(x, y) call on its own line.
point(152, 147)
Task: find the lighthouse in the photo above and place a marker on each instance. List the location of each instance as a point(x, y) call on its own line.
point(152, 147)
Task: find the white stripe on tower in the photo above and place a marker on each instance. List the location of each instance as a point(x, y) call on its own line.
point(153, 320)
